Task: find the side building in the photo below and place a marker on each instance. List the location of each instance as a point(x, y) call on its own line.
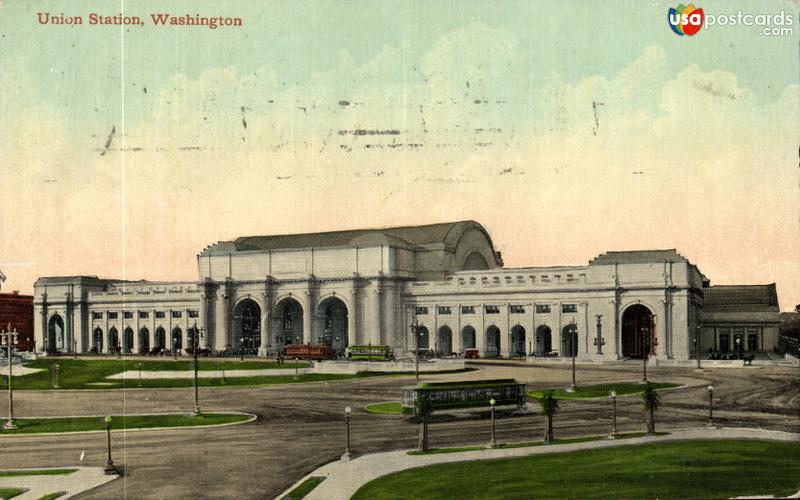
point(256, 294)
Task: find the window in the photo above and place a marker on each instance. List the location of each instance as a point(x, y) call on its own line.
point(444, 309)
point(160, 314)
point(421, 311)
point(112, 315)
point(127, 315)
point(492, 310)
point(97, 315)
point(467, 309)
point(176, 314)
point(193, 313)
point(516, 309)
point(144, 314)
point(569, 308)
point(542, 308)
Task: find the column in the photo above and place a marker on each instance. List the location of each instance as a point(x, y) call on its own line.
point(480, 331)
point(137, 341)
point(389, 336)
point(617, 334)
point(266, 315)
point(374, 321)
point(221, 327)
point(308, 312)
point(352, 316)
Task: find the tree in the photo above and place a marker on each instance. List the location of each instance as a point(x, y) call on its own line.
point(549, 406)
point(651, 400)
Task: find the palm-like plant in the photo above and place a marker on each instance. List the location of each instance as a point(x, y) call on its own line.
point(651, 400)
point(549, 405)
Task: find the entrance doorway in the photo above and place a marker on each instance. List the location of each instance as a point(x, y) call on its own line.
point(544, 341)
point(638, 332)
point(518, 341)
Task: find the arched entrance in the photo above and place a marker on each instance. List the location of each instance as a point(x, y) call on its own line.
point(97, 341)
point(444, 341)
point(127, 340)
point(144, 341)
point(160, 339)
point(332, 324)
point(288, 322)
point(423, 339)
point(518, 341)
point(246, 327)
point(55, 334)
point(468, 337)
point(492, 341)
point(544, 341)
point(177, 340)
point(569, 340)
point(113, 340)
point(638, 331)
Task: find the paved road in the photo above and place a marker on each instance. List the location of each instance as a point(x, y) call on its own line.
point(301, 427)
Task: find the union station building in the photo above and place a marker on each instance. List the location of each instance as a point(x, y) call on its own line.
point(359, 287)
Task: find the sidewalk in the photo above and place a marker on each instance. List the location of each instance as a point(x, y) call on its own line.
point(343, 479)
point(84, 478)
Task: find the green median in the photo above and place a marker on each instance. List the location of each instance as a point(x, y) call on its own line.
point(122, 422)
point(601, 390)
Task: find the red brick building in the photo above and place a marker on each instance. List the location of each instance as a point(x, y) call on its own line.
point(18, 310)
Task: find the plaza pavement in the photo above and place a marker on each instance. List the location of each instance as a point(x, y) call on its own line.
point(344, 478)
point(300, 427)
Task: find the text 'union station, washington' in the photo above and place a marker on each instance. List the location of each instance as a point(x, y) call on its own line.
point(256, 294)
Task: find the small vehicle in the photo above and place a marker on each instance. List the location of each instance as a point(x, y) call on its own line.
point(369, 352)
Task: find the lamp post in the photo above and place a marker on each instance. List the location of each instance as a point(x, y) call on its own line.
point(110, 467)
point(347, 455)
point(74, 347)
point(711, 406)
point(599, 341)
point(493, 442)
point(241, 349)
point(613, 395)
point(645, 353)
point(415, 333)
point(174, 347)
point(8, 339)
point(197, 333)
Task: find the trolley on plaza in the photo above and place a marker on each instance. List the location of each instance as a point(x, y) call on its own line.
point(464, 397)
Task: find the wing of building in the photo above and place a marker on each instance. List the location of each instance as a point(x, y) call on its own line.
point(368, 286)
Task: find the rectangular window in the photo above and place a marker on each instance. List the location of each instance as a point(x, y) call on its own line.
point(467, 309)
point(97, 315)
point(193, 313)
point(127, 315)
point(492, 310)
point(569, 308)
point(160, 314)
point(422, 311)
point(144, 314)
point(516, 309)
point(542, 308)
point(176, 314)
point(444, 309)
point(112, 315)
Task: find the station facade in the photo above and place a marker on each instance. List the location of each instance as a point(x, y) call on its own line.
point(360, 287)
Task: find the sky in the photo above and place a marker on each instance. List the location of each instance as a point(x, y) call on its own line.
point(567, 129)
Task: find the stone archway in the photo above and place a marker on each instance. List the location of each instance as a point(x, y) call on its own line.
point(331, 330)
point(638, 331)
point(492, 342)
point(287, 322)
point(127, 340)
point(113, 340)
point(97, 341)
point(444, 341)
point(518, 341)
point(423, 339)
point(160, 339)
point(55, 334)
point(468, 337)
point(144, 340)
point(177, 340)
point(544, 341)
point(246, 327)
point(569, 340)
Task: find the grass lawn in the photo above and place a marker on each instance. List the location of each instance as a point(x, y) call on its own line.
point(36, 472)
point(91, 374)
point(53, 496)
point(11, 492)
point(38, 425)
point(701, 469)
point(303, 489)
point(601, 390)
point(389, 407)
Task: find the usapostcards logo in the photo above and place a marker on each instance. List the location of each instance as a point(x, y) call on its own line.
point(685, 20)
